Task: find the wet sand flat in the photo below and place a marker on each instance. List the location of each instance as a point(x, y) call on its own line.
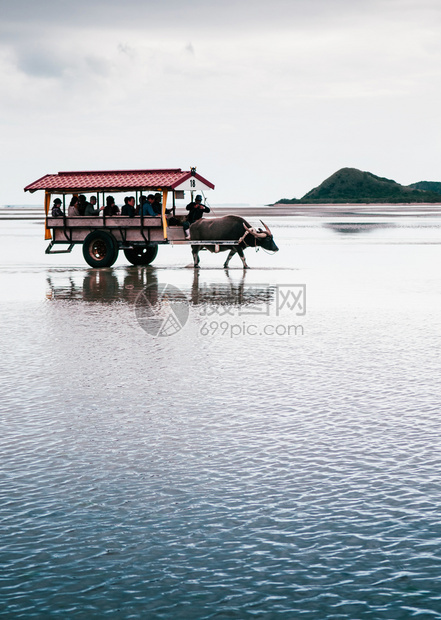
point(181, 443)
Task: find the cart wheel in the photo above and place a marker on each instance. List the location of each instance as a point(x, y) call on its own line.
point(141, 255)
point(100, 249)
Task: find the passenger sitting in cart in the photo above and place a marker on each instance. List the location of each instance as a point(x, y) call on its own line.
point(90, 210)
point(129, 206)
point(157, 203)
point(110, 209)
point(56, 209)
point(73, 207)
point(148, 209)
point(82, 204)
point(195, 211)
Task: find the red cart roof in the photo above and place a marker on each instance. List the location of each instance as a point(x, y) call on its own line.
point(117, 180)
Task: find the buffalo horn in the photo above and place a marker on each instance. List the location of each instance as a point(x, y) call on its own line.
point(266, 228)
point(254, 232)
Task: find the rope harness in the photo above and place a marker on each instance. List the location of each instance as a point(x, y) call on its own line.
point(247, 232)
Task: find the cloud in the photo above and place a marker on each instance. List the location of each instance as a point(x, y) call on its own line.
point(151, 14)
point(127, 49)
point(98, 66)
point(37, 58)
point(39, 62)
point(197, 16)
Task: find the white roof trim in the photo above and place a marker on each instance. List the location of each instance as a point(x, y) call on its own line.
point(192, 184)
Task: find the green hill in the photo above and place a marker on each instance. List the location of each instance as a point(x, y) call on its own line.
point(428, 186)
point(350, 185)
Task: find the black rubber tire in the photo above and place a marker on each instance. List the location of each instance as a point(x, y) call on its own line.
point(100, 249)
point(142, 255)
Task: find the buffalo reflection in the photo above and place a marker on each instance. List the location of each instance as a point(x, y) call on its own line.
point(229, 292)
point(107, 286)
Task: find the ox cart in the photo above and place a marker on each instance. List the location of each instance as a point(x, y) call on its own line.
point(102, 237)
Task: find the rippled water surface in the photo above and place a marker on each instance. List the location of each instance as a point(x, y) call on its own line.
point(278, 456)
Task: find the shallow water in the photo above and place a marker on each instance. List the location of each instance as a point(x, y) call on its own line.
point(277, 456)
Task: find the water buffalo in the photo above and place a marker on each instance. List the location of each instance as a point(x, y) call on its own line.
point(229, 228)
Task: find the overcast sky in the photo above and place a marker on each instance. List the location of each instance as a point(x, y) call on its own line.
point(266, 98)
